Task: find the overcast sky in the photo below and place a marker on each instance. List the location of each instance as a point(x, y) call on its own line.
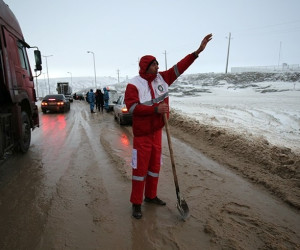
point(119, 32)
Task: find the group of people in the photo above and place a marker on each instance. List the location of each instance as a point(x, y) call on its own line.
point(98, 98)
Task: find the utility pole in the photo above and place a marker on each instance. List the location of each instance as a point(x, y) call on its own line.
point(166, 59)
point(45, 87)
point(94, 67)
point(118, 73)
point(71, 78)
point(228, 52)
point(37, 85)
point(279, 53)
point(47, 71)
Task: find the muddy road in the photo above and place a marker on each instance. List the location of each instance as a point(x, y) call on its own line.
point(71, 191)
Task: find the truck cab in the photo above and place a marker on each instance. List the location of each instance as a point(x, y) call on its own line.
point(18, 111)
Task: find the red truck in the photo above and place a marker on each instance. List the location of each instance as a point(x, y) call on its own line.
point(18, 111)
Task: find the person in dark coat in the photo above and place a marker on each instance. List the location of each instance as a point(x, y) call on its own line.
point(99, 100)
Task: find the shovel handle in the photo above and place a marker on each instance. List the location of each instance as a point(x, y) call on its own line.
point(171, 154)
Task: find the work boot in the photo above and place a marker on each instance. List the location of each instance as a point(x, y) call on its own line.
point(136, 211)
point(155, 200)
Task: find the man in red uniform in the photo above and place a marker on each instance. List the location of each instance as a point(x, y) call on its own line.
point(146, 97)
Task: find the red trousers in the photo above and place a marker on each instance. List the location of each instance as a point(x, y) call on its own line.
point(146, 161)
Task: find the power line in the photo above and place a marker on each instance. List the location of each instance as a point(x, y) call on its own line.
point(268, 26)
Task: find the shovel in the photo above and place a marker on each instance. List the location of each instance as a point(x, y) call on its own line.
point(181, 203)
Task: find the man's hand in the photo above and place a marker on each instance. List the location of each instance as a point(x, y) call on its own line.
point(203, 44)
point(162, 108)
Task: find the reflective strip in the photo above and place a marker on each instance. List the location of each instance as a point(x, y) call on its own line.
point(156, 100)
point(153, 174)
point(132, 108)
point(176, 70)
point(138, 178)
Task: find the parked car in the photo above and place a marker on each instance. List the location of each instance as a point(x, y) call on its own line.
point(121, 114)
point(113, 98)
point(56, 103)
point(78, 96)
point(69, 97)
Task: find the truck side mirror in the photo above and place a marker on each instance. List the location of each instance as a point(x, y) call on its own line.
point(38, 60)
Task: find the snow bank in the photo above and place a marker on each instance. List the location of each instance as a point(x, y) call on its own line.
point(255, 105)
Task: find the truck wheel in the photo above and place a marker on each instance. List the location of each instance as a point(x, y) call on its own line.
point(25, 139)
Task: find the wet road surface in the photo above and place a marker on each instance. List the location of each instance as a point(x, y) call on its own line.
point(71, 191)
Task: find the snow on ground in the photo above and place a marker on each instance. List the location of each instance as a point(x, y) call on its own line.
point(267, 109)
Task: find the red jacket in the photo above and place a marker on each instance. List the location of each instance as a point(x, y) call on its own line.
point(139, 97)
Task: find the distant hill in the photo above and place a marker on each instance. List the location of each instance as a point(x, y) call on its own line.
point(84, 84)
point(79, 84)
point(239, 78)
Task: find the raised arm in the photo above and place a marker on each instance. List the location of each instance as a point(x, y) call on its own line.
point(203, 44)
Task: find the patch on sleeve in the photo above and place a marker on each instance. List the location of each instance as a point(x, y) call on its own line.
point(134, 159)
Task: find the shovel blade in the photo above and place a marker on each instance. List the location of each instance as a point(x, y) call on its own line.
point(183, 208)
